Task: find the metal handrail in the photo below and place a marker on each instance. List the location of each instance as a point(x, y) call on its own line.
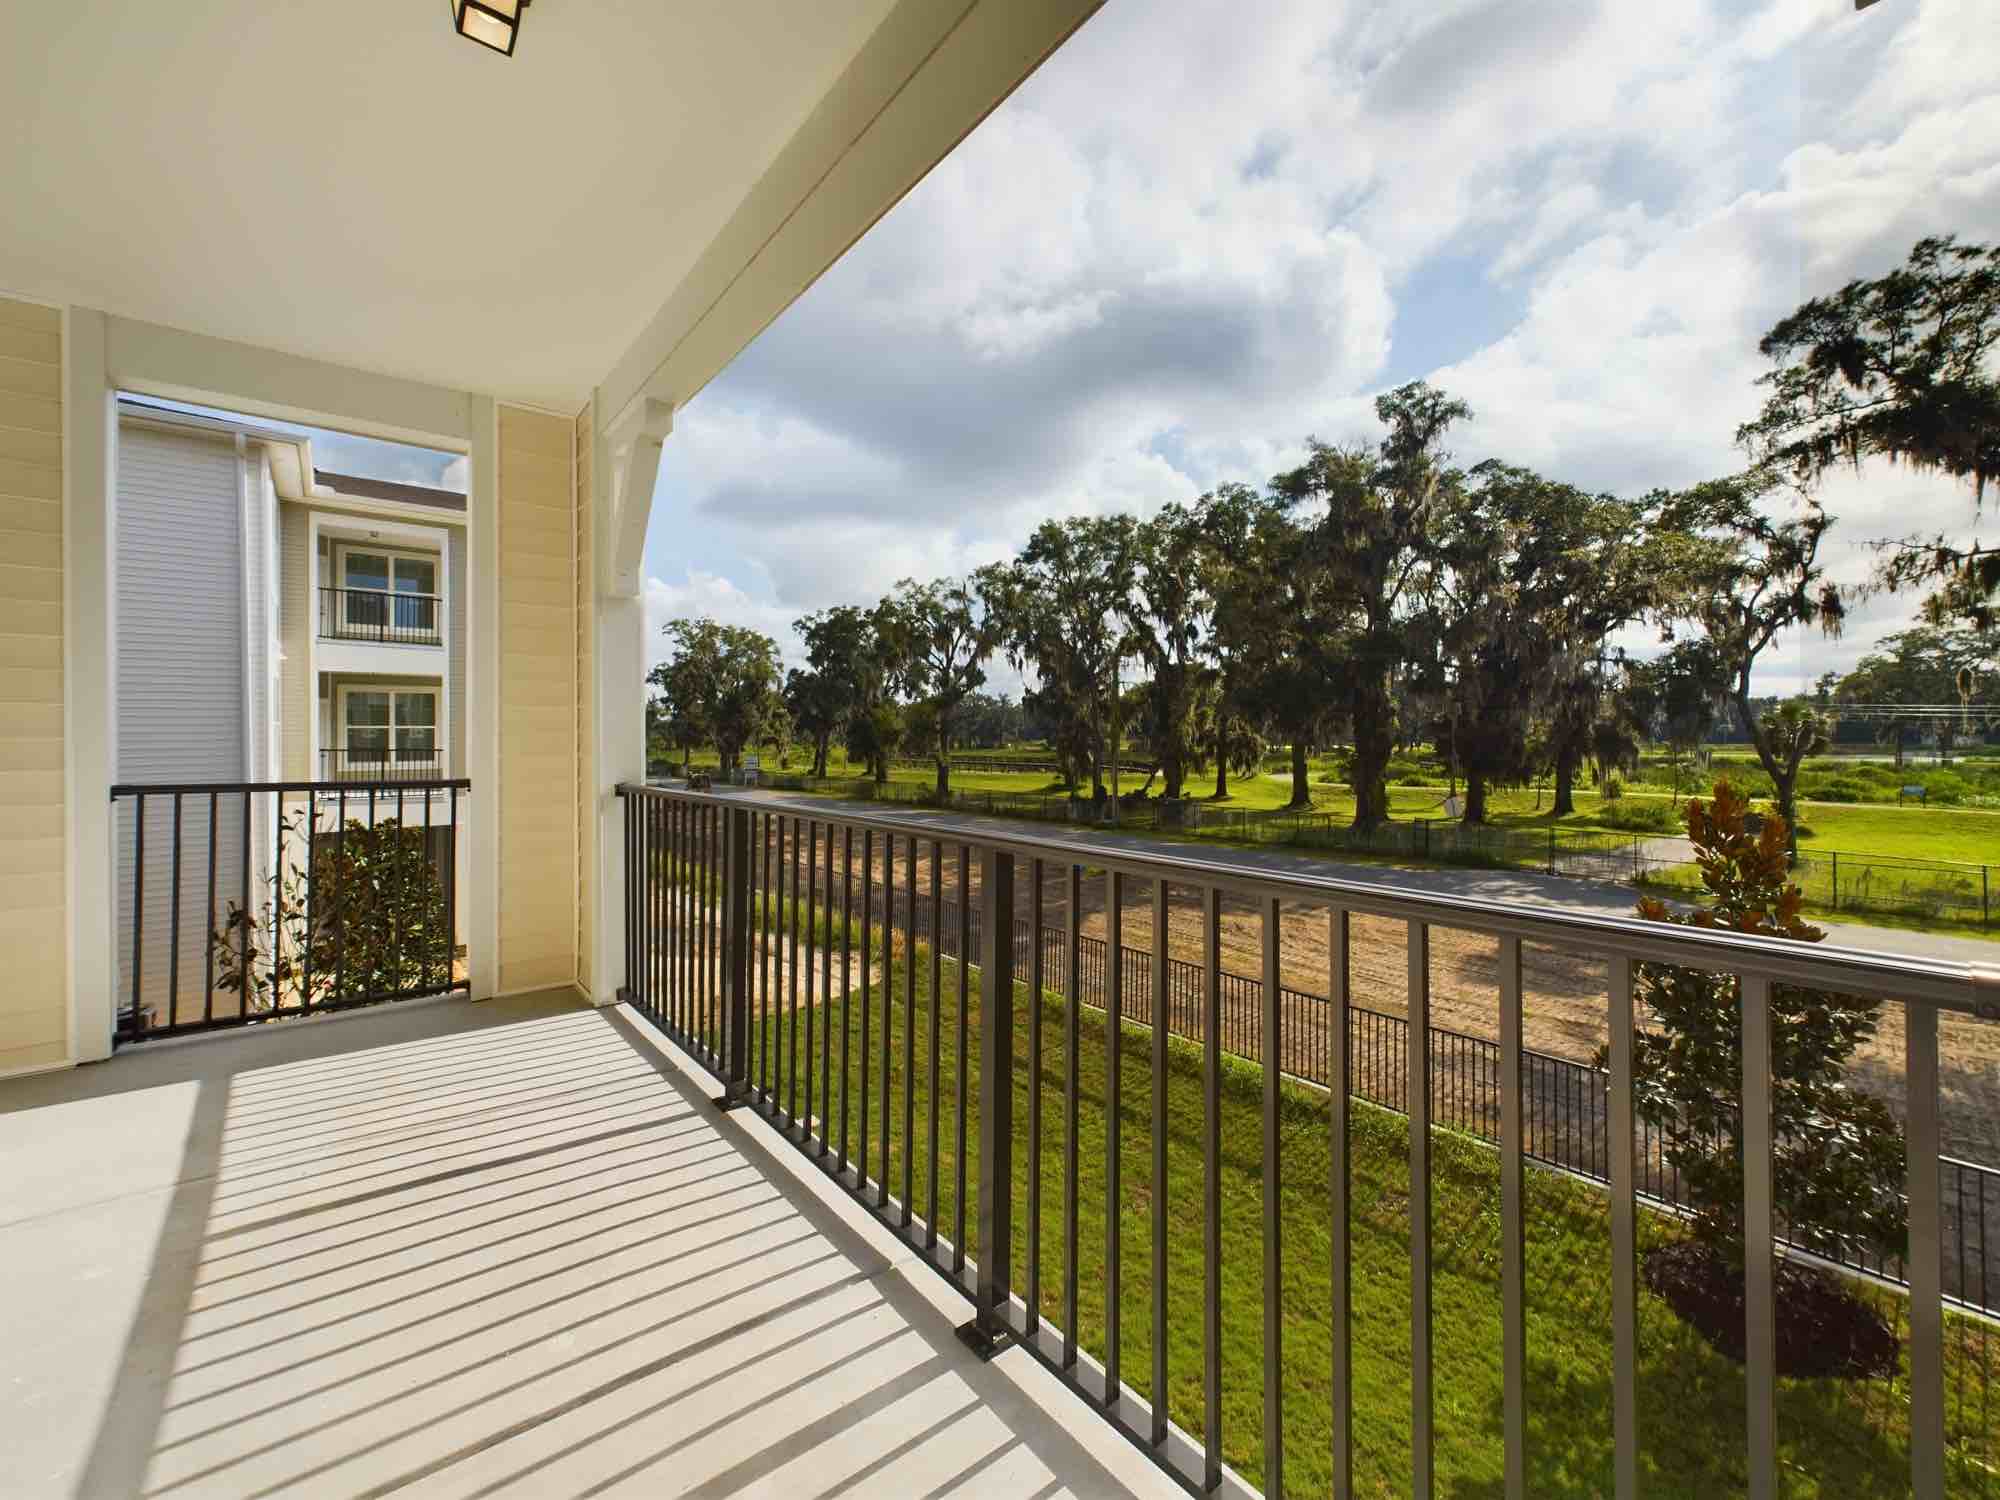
point(1946, 983)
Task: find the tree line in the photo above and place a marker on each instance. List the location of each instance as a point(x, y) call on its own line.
point(1382, 593)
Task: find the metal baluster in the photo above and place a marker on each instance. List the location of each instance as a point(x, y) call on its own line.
point(139, 914)
point(1513, 1244)
point(1624, 1248)
point(937, 1039)
point(1926, 1266)
point(1759, 1319)
point(1339, 1037)
point(1161, 1011)
point(766, 1000)
point(1211, 1154)
point(888, 1003)
point(1072, 1005)
point(910, 1031)
point(812, 867)
point(867, 992)
point(1274, 1322)
point(1033, 1296)
point(247, 976)
point(450, 893)
point(846, 976)
point(208, 981)
point(1114, 1012)
point(174, 925)
point(964, 1049)
point(1417, 1086)
point(826, 1003)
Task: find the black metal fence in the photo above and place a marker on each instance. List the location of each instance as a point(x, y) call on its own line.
point(241, 902)
point(360, 767)
point(377, 615)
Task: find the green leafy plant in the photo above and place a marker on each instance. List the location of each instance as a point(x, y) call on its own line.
point(1838, 1154)
point(362, 914)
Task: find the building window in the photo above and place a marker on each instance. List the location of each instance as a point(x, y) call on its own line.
point(394, 593)
point(388, 729)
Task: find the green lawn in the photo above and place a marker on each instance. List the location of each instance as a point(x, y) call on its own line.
point(1958, 835)
point(1842, 1439)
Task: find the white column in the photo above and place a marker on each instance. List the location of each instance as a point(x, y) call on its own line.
point(627, 464)
point(90, 730)
point(620, 661)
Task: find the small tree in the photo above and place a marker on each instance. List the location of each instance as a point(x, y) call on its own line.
point(1837, 1155)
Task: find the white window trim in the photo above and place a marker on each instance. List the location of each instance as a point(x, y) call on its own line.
point(434, 691)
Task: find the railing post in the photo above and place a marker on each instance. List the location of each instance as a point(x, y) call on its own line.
point(988, 1333)
point(736, 958)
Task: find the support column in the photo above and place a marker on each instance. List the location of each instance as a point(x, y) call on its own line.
point(482, 704)
point(626, 464)
point(620, 756)
point(89, 668)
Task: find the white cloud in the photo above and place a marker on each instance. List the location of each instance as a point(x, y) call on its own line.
point(1202, 232)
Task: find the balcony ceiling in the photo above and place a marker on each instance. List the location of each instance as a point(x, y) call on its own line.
point(353, 182)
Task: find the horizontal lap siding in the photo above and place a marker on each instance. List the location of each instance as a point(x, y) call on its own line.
point(538, 695)
point(182, 695)
point(34, 1007)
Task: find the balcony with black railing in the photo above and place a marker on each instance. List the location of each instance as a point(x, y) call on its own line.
point(381, 617)
point(360, 765)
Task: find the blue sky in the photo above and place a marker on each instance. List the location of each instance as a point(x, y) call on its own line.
point(1203, 232)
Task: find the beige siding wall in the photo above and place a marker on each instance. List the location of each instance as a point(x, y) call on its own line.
point(538, 658)
point(586, 717)
point(34, 1007)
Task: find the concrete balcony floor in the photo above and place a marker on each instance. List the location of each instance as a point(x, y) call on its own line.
point(476, 1249)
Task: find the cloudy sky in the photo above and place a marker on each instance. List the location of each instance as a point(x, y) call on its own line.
point(1202, 232)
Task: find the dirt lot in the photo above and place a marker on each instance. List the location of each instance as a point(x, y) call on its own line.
point(1564, 993)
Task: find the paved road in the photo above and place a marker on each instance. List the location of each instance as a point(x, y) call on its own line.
point(1520, 886)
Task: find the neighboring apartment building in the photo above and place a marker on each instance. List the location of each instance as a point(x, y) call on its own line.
point(276, 622)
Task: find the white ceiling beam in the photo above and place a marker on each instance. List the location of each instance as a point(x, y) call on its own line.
point(930, 72)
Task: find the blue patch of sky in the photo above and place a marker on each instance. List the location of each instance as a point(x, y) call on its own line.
point(1448, 309)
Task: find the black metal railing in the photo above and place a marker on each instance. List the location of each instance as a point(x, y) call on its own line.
point(378, 615)
point(242, 902)
point(359, 767)
point(788, 954)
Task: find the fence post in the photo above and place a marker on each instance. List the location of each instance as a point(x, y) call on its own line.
point(987, 1334)
point(1985, 893)
point(1552, 848)
point(1836, 878)
point(736, 958)
point(1427, 838)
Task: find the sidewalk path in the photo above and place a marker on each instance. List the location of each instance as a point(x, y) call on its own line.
point(1523, 887)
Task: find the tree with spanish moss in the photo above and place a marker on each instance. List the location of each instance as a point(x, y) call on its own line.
point(938, 637)
point(1901, 368)
point(1376, 518)
point(1748, 571)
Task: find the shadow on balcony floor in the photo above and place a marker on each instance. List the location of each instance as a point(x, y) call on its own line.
point(474, 1250)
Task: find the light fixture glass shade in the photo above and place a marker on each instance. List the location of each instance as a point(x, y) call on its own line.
point(491, 23)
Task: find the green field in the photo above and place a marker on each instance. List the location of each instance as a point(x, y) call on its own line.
point(1837, 1438)
point(1859, 832)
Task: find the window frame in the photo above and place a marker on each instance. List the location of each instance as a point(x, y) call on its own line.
point(433, 597)
point(343, 727)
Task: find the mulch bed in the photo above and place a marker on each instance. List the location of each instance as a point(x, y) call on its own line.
point(1824, 1329)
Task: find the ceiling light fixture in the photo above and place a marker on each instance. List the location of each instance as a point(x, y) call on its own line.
point(491, 23)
